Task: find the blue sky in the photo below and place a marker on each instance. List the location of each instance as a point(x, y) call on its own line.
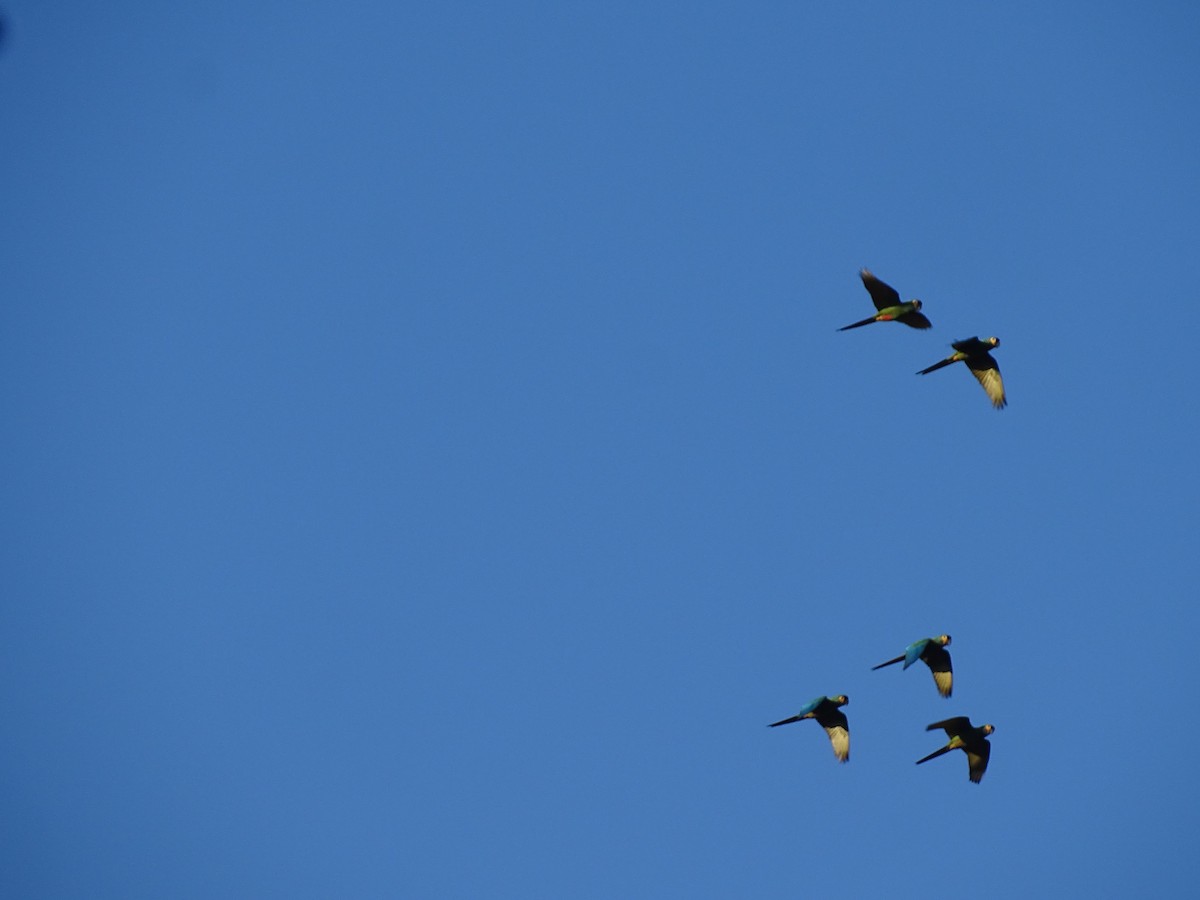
point(432, 461)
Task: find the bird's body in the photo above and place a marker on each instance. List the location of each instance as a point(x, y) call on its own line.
point(974, 353)
point(966, 737)
point(830, 717)
point(932, 651)
point(889, 306)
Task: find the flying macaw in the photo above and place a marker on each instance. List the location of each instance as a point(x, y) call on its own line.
point(932, 651)
point(974, 353)
point(890, 307)
point(971, 740)
point(833, 720)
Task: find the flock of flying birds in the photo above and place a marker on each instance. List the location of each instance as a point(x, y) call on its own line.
point(973, 351)
point(963, 735)
point(931, 651)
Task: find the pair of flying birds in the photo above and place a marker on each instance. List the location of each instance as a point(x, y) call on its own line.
point(973, 351)
point(963, 735)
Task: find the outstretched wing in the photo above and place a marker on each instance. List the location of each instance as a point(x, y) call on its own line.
point(971, 345)
point(915, 319)
point(807, 708)
point(977, 759)
point(953, 727)
point(838, 729)
point(806, 711)
point(985, 370)
point(882, 295)
point(938, 660)
point(914, 650)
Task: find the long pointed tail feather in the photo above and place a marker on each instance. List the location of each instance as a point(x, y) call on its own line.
point(890, 662)
point(858, 324)
point(934, 755)
point(784, 721)
point(938, 365)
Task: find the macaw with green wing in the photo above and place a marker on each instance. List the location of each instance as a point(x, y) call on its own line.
point(889, 305)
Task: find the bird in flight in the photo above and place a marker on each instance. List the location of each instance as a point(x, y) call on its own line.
point(825, 710)
point(890, 307)
point(966, 737)
point(974, 353)
point(931, 651)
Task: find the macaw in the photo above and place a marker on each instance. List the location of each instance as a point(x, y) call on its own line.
point(971, 740)
point(890, 307)
point(825, 710)
point(974, 353)
point(932, 651)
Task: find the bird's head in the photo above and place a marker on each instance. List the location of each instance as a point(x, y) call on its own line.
point(916, 304)
point(988, 729)
point(841, 700)
point(993, 342)
point(943, 639)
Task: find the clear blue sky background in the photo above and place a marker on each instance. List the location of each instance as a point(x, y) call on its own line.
point(430, 461)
